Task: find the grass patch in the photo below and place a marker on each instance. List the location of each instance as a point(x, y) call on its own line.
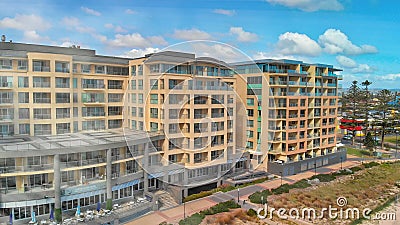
point(359, 152)
point(377, 209)
point(223, 188)
point(196, 218)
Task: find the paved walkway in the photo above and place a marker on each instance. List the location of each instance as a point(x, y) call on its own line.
point(174, 215)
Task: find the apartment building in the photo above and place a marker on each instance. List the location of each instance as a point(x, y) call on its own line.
point(80, 129)
point(292, 108)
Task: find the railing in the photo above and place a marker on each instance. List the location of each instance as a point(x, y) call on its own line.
point(293, 115)
point(114, 86)
point(41, 84)
point(5, 67)
point(41, 100)
point(94, 114)
point(42, 116)
point(22, 68)
point(6, 117)
point(41, 69)
point(217, 115)
point(62, 85)
point(92, 85)
point(63, 100)
point(62, 70)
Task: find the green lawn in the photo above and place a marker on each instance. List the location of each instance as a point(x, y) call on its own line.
point(392, 139)
point(359, 152)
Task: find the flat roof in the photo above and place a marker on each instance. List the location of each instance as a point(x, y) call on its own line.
point(11, 146)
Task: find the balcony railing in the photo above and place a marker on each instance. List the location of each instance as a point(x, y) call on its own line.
point(41, 69)
point(6, 101)
point(5, 67)
point(96, 86)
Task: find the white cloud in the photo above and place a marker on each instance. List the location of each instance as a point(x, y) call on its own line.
point(273, 55)
point(297, 44)
point(135, 40)
point(353, 66)
point(25, 23)
point(224, 12)
point(130, 11)
point(136, 53)
point(117, 29)
point(390, 76)
point(334, 41)
point(192, 34)
point(363, 68)
point(90, 11)
point(243, 36)
point(345, 61)
point(71, 21)
point(310, 5)
point(33, 37)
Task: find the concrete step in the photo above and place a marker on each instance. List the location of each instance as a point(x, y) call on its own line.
point(166, 199)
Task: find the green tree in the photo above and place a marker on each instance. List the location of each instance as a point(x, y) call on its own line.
point(366, 108)
point(369, 141)
point(384, 96)
point(351, 103)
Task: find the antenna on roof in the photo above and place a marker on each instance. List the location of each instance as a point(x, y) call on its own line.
point(3, 38)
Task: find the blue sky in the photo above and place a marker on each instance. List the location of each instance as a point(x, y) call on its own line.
point(359, 36)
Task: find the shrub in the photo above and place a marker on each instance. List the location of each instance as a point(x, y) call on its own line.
point(196, 196)
point(194, 219)
point(252, 213)
point(256, 196)
point(355, 169)
point(324, 177)
point(371, 164)
point(282, 189)
point(221, 207)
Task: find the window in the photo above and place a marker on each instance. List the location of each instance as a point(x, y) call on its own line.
point(6, 82)
point(140, 125)
point(250, 112)
point(23, 97)
point(5, 64)
point(7, 114)
point(133, 97)
point(154, 84)
point(140, 84)
point(134, 111)
point(115, 97)
point(115, 84)
point(62, 113)
point(140, 98)
point(117, 70)
point(140, 112)
point(92, 97)
point(41, 82)
point(153, 127)
point(114, 124)
point(85, 68)
point(173, 113)
point(75, 82)
point(140, 70)
point(99, 69)
point(154, 113)
point(114, 110)
point(250, 134)
point(62, 82)
point(153, 99)
point(93, 125)
point(75, 97)
point(62, 98)
point(41, 65)
point(92, 111)
point(250, 123)
point(23, 113)
point(133, 84)
point(24, 129)
point(133, 70)
point(63, 128)
point(92, 83)
point(40, 97)
point(62, 67)
point(134, 125)
point(23, 82)
point(42, 129)
point(250, 101)
point(75, 109)
point(42, 113)
point(22, 64)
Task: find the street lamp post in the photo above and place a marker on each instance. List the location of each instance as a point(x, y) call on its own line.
point(184, 210)
point(281, 178)
point(395, 156)
point(262, 200)
point(341, 160)
point(238, 195)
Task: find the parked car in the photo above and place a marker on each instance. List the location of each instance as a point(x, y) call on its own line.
point(279, 161)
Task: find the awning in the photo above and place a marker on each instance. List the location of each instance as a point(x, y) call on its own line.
point(125, 185)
